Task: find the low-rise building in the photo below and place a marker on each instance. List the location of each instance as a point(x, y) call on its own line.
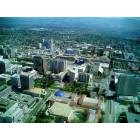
point(36, 92)
point(61, 110)
point(5, 77)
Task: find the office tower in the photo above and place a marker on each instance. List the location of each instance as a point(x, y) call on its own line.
point(128, 85)
point(57, 65)
point(38, 64)
point(7, 52)
point(10, 52)
point(15, 81)
point(51, 46)
point(84, 77)
point(71, 52)
point(26, 80)
point(4, 65)
point(45, 64)
point(2, 51)
point(39, 45)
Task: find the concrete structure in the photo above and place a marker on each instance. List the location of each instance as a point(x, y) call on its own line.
point(45, 64)
point(72, 75)
point(128, 85)
point(84, 77)
point(4, 90)
point(5, 77)
point(4, 66)
point(15, 81)
point(91, 116)
point(5, 104)
point(74, 70)
point(41, 64)
point(2, 50)
point(27, 80)
point(71, 52)
point(7, 52)
point(38, 64)
point(39, 45)
point(11, 52)
point(36, 92)
point(133, 118)
point(59, 76)
point(118, 54)
point(11, 114)
point(88, 102)
point(61, 110)
point(16, 69)
point(57, 65)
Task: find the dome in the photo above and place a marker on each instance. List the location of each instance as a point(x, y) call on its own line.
point(59, 93)
point(79, 62)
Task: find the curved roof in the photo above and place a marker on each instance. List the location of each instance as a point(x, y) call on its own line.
point(59, 93)
point(79, 62)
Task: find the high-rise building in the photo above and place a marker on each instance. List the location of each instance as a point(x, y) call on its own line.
point(39, 45)
point(15, 81)
point(45, 64)
point(71, 52)
point(57, 65)
point(4, 66)
point(7, 52)
point(72, 75)
point(16, 68)
point(26, 80)
point(38, 64)
point(10, 52)
point(84, 77)
point(2, 51)
point(52, 46)
point(128, 85)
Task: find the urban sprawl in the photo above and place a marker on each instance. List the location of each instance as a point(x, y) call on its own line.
point(69, 82)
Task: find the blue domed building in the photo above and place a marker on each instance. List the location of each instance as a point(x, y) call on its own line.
point(79, 62)
point(59, 93)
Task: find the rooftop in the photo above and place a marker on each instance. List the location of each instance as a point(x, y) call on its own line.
point(37, 90)
point(61, 109)
point(133, 118)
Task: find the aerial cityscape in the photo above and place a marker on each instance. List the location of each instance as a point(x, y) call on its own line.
point(69, 70)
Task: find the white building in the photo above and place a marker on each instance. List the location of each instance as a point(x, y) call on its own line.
point(4, 65)
point(73, 71)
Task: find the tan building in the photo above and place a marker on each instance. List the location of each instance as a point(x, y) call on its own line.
point(61, 110)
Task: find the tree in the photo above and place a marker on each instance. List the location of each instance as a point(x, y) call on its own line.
point(49, 80)
point(45, 81)
point(122, 118)
point(76, 87)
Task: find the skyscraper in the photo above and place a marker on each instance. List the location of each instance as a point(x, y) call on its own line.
point(15, 81)
point(57, 65)
point(4, 65)
point(38, 64)
point(128, 85)
point(84, 77)
point(27, 80)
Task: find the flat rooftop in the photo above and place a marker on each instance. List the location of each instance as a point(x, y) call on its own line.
point(133, 118)
point(37, 90)
point(61, 109)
